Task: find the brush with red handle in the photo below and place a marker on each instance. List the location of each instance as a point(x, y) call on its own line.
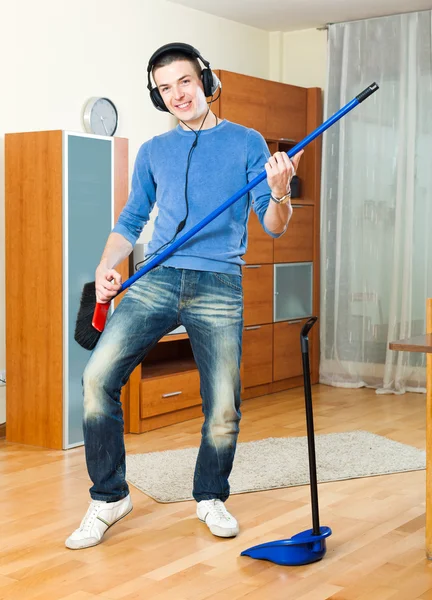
point(92, 315)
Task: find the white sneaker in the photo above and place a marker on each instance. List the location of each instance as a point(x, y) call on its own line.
point(214, 514)
point(98, 518)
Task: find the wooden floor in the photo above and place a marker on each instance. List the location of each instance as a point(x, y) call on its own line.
point(162, 552)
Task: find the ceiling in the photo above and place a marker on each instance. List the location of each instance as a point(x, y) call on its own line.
point(292, 15)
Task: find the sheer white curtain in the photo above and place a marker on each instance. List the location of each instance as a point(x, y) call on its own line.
point(376, 236)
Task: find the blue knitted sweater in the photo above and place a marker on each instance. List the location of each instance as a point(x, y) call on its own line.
point(225, 159)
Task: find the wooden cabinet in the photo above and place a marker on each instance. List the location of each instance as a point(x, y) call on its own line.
point(287, 359)
point(63, 191)
point(274, 109)
point(257, 355)
point(258, 294)
point(284, 115)
point(297, 245)
point(287, 111)
point(244, 100)
point(260, 244)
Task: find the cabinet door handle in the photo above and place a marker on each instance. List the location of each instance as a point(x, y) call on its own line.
point(252, 327)
point(253, 266)
point(171, 394)
point(298, 205)
point(294, 322)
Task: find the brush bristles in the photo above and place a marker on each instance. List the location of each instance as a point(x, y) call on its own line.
point(85, 334)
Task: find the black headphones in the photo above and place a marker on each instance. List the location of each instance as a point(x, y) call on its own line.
point(210, 82)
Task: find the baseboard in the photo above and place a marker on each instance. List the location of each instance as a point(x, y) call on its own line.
point(2, 430)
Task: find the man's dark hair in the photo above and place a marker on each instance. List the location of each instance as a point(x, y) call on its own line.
point(170, 57)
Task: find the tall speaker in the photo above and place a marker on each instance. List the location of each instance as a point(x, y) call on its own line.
point(64, 192)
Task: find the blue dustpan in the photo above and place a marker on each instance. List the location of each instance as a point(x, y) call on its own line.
point(308, 546)
point(302, 549)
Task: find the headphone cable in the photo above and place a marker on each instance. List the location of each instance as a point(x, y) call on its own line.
point(182, 223)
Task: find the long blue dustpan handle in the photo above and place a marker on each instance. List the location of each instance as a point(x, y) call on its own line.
point(220, 209)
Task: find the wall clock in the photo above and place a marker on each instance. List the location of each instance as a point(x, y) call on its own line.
point(100, 116)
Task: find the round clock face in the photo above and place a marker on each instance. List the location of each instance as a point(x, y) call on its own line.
point(100, 116)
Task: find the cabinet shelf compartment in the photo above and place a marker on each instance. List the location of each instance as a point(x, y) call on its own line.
point(168, 359)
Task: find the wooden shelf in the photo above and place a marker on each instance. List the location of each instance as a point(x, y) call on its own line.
point(174, 337)
point(287, 141)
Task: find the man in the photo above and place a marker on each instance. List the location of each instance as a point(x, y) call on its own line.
point(188, 171)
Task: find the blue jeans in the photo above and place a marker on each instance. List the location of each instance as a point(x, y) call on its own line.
point(210, 306)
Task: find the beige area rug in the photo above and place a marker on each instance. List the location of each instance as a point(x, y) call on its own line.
point(276, 463)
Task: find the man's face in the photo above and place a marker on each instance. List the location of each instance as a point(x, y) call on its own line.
point(181, 90)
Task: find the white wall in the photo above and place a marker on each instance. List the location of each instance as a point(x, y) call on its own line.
point(299, 57)
point(55, 54)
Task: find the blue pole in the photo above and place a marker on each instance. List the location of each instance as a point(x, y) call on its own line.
point(220, 209)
